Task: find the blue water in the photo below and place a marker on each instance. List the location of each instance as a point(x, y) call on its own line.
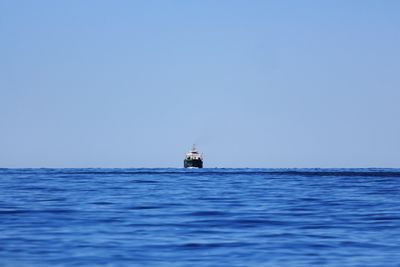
point(208, 217)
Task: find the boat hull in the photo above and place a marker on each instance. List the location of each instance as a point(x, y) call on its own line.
point(193, 163)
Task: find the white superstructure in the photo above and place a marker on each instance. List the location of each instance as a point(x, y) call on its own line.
point(193, 154)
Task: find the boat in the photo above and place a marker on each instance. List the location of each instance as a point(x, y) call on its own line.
point(193, 159)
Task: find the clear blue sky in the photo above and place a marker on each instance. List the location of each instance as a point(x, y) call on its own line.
point(253, 83)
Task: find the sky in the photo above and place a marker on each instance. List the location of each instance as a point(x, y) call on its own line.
point(269, 84)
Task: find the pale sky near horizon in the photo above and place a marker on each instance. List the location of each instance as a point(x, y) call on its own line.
point(253, 83)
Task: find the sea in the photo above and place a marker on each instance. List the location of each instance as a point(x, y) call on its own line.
point(200, 217)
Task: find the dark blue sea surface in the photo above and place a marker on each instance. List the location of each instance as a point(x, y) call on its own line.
point(207, 217)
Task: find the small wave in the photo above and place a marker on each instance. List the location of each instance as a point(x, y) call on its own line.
point(207, 213)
